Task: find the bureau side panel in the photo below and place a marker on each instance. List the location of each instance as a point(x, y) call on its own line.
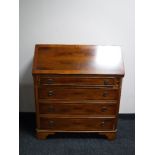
point(118, 102)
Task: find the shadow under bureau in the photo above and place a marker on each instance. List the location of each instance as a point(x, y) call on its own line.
point(77, 88)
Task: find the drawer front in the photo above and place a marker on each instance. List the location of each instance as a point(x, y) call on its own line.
point(69, 93)
point(77, 124)
point(45, 80)
point(78, 109)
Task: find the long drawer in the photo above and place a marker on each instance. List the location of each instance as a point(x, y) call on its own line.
point(70, 80)
point(93, 109)
point(77, 124)
point(77, 93)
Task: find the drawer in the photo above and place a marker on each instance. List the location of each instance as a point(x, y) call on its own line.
point(77, 124)
point(78, 93)
point(95, 109)
point(51, 80)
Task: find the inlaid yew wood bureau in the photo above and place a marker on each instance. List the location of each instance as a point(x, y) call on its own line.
point(77, 88)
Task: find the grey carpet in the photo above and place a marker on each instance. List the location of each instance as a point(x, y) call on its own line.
point(77, 144)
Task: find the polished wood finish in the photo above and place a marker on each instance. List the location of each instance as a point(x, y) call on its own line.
point(109, 135)
point(70, 80)
point(43, 135)
point(78, 59)
point(77, 93)
point(77, 88)
point(97, 109)
point(74, 124)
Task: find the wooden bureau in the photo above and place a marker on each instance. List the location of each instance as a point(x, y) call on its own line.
point(77, 88)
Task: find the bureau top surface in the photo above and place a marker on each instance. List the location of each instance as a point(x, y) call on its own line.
point(78, 59)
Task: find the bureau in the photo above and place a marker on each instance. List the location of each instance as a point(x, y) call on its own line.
point(77, 88)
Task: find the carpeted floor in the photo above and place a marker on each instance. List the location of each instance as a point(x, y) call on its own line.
point(77, 144)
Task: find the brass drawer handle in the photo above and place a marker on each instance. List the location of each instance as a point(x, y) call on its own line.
point(105, 94)
point(50, 93)
point(104, 109)
point(51, 123)
point(106, 82)
point(102, 123)
point(51, 109)
point(49, 81)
